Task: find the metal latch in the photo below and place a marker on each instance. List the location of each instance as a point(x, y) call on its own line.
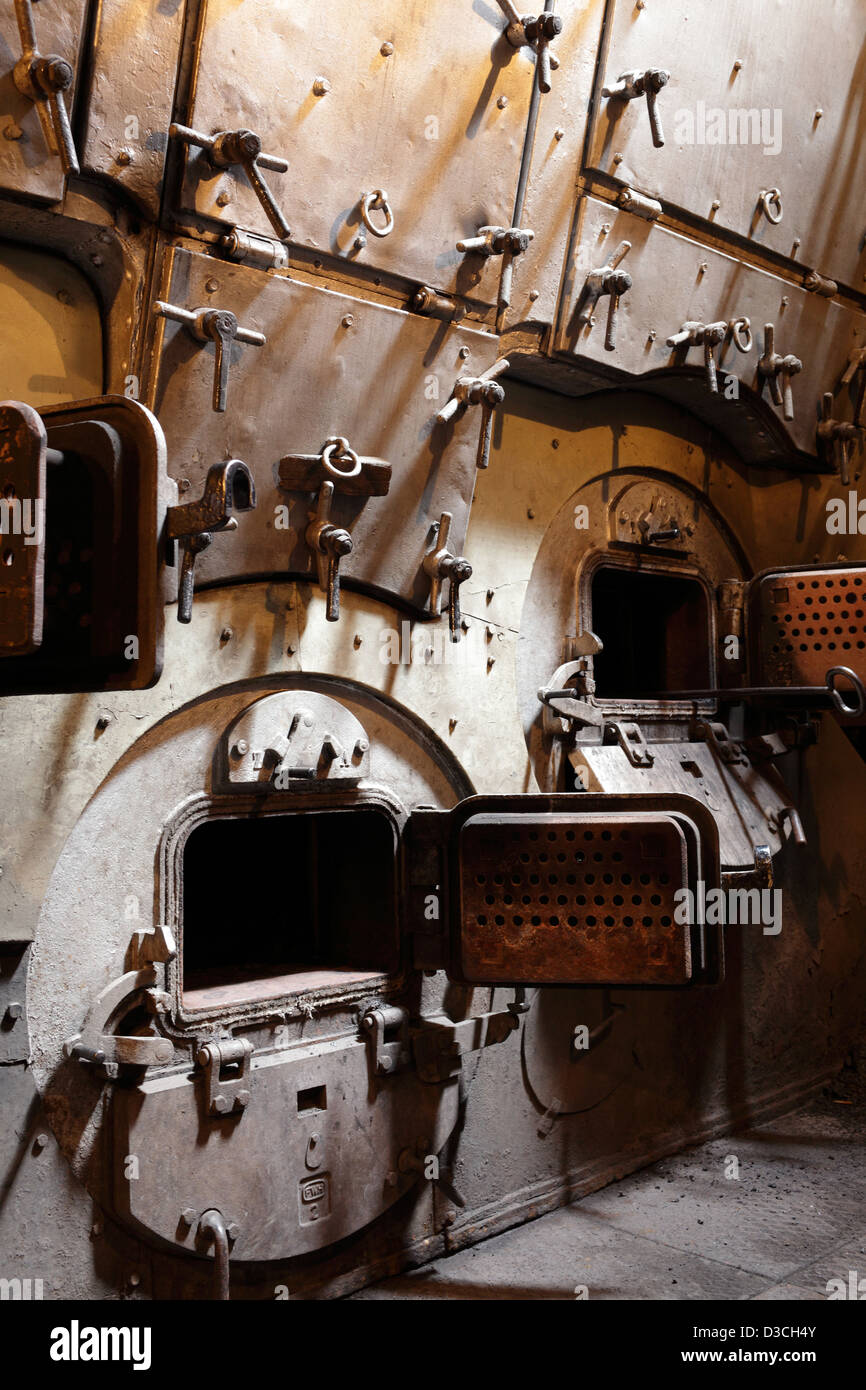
point(229, 486)
point(631, 740)
point(639, 203)
point(857, 363)
point(43, 80)
point(772, 367)
point(647, 83)
point(606, 280)
point(483, 390)
point(227, 1074)
point(439, 565)
point(507, 242)
point(387, 1030)
point(835, 438)
point(217, 326)
point(711, 336)
point(229, 147)
point(536, 31)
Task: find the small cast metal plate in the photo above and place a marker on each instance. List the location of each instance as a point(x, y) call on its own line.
point(573, 899)
point(806, 621)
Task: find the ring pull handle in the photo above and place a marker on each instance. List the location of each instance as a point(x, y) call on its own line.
point(741, 332)
point(839, 704)
point(337, 446)
point(378, 201)
point(771, 205)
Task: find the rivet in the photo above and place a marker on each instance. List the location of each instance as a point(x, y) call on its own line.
point(290, 651)
point(703, 268)
point(240, 748)
point(12, 131)
point(387, 49)
point(135, 1279)
point(103, 722)
point(321, 86)
point(738, 63)
point(489, 595)
point(211, 285)
point(559, 133)
point(818, 114)
point(184, 485)
point(463, 354)
point(452, 725)
point(617, 159)
point(533, 295)
point(715, 204)
point(554, 443)
point(491, 662)
point(222, 200)
point(652, 335)
point(39, 1142)
point(96, 260)
point(530, 512)
point(123, 157)
point(96, 1228)
point(785, 301)
point(226, 635)
point(502, 102)
point(358, 641)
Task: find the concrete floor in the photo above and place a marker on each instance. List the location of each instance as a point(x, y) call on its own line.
point(794, 1218)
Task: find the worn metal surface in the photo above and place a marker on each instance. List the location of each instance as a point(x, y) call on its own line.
point(586, 899)
point(387, 114)
point(321, 346)
point(30, 164)
point(756, 97)
point(678, 280)
point(134, 64)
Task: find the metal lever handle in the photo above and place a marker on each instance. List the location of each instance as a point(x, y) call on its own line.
point(439, 565)
point(244, 147)
point(492, 395)
point(648, 83)
point(773, 367)
point(617, 285)
point(539, 33)
point(809, 693)
point(475, 390)
point(43, 80)
point(220, 327)
point(329, 544)
point(836, 434)
point(228, 487)
point(212, 1229)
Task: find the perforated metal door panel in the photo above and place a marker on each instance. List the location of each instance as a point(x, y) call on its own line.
point(561, 898)
point(805, 621)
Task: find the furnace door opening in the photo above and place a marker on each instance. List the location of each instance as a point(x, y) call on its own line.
point(284, 904)
point(656, 630)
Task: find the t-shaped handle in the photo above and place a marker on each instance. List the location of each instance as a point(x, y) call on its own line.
point(857, 363)
point(244, 147)
point(483, 390)
point(229, 487)
point(648, 83)
point(708, 336)
point(329, 544)
point(43, 80)
point(836, 435)
point(606, 280)
point(439, 565)
point(536, 31)
point(217, 326)
point(772, 367)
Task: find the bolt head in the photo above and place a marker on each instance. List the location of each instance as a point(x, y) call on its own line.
point(559, 133)
point(347, 320)
point(387, 49)
point(241, 748)
point(321, 87)
point(189, 1215)
point(221, 1104)
point(502, 102)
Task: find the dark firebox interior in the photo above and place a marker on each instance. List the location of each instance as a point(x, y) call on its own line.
point(276, 904)
point(656, 633)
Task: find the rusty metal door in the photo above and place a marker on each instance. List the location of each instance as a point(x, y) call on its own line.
point(783, 83)
point(424, 103)
point(40, 49)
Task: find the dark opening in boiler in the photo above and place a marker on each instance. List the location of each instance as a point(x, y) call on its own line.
point(276, 905)
point(656, 632)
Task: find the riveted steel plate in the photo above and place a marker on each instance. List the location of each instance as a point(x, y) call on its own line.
point(585, 899)
point(28, 164)
point(677, 280)
point(23, 444)
point(759, 96)
point(312, 1159)
point(437, 121)
point(332, 365)
point(804, 621)
point(135, 56)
